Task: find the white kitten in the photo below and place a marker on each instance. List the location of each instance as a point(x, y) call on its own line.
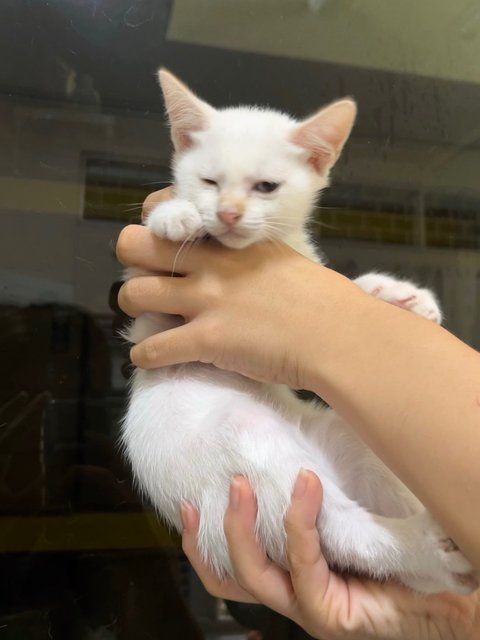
point(242, 175)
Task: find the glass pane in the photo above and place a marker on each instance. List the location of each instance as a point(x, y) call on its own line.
point(83, 141)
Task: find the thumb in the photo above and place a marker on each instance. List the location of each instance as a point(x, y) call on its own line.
point(175, 346)
point(308, 568)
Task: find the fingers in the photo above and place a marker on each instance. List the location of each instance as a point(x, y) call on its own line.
point(324, 604)
point(319, 591)
point(155, 198)
point(303, 541)
point(218, 588)
point(158, 294)
point(137, 246)
point(255, 573)
point(175, 346)
point(311, 595)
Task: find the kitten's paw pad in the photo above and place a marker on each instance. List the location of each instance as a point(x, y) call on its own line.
point(455, 575)
point(402, 294)
point(176, 220)
point(468, 583)
point(448, 545)
point(462, 584)
point(440, 565)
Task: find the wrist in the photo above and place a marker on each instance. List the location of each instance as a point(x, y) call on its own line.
point(332, 330)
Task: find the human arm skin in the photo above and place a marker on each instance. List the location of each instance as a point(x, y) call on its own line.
point(409, 388)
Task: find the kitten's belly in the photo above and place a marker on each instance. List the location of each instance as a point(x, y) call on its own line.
point(188, 430)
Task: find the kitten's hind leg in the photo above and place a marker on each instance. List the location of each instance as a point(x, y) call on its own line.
point(414, 550)
point(362, 475)
point(269, 450)
point(401, 293)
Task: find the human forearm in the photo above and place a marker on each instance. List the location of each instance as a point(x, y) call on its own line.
point(412, 391)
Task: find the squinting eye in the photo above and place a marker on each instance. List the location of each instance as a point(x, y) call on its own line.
point(266, 187)
point(208, 181)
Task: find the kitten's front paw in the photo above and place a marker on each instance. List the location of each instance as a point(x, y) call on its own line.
point(175, 220)
point(437, 563)
point(402, 294)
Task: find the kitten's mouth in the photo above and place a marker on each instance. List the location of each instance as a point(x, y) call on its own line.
point(232, 233)
point(234, 238)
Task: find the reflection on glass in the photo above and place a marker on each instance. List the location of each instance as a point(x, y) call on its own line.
point(82, 143)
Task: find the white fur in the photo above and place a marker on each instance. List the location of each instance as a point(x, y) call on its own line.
point(190, 428)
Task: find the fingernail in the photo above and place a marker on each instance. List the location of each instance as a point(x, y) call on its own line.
point(186, 514)
point(301, 484)
point(235, 493)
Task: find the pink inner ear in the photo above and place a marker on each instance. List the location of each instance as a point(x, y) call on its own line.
point(183, 139)
point(186, 112)
point(324, 134)
point(320, 161)
point(320, 156)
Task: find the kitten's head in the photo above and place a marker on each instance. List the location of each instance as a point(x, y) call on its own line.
point(252, 173)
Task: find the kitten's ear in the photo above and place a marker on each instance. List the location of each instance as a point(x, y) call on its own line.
point(186, 113)
point(324, 134)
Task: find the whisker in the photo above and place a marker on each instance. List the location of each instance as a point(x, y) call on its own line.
point(196, 241)
point(185, 247)
point(277, 227)
point(147, 184)
point(280, 223)
point(273, 240)
point(318, 223)
point(130, 209)
point(276, 230)
point(177, 255)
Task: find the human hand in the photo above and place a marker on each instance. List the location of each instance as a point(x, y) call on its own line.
point(261, 311)
point(326, 605)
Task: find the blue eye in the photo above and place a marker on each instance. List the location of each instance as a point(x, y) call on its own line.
point(266, 187)
point(210, 182)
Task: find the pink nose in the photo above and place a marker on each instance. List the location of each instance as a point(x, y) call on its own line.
point(230, 218)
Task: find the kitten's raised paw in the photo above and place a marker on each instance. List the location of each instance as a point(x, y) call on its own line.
point(175, 220)
point(401, 293)
point(439, 564)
